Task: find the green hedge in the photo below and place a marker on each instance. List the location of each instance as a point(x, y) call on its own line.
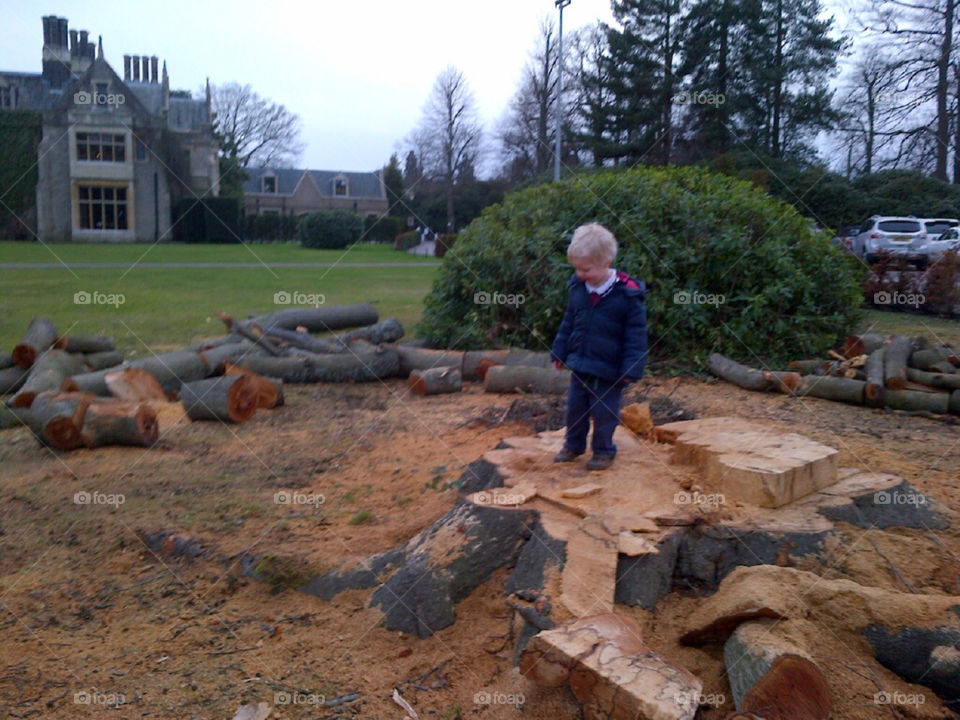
point(383, 229)
point(407, 240)
point(271, 227)
point(694, 236)
point(329, 229)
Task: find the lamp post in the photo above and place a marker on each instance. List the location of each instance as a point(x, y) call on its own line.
point(561, 4)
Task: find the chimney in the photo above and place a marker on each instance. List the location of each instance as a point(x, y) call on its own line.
point(135, 64)
point(84, 43)
point(145, 73)
point(46, 29)
point(126, 68)
point(74, 45)
point(62, 32)
point(154, 70)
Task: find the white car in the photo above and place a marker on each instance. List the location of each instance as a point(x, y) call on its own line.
point(948, 240)
point(935, 227)
point(896, 235)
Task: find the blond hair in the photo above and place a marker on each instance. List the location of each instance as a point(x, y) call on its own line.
point(593, 242)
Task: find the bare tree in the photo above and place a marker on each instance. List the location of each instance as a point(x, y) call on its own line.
point(253, 129)
point(449, 133)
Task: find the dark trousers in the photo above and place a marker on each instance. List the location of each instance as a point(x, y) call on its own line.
point(590, 397)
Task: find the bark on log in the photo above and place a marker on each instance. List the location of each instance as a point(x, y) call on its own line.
point(170, 369)
point(435, 381)
point(305, 341)
point(217, 357)
point(269, 390)
point(114, 422)
point(102, 360)
point(955, 402)
point(319, 319)
point(361, 363)
point(253, 333)
point(862, 344)
point(40, 336)
point(926, 359)
point(134, 385)
point(10, 417)
point(943, 367)
point(412, 358)
point(56, 419)
point(229, 398)
point(476, 362)
point(912, 401)
point(520, 378)
point(740, 375)
point(6, 360)
point(895, 356)
point(786, 382)
point(86, 344)
point(875, 365)
point(212, 342)
point(49, 372)
point(388, 331)
point(12, 379)
point(807, 367)
point(833, 388)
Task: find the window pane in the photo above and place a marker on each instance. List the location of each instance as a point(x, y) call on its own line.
point(108, 193)
point(97, 216)
point(119, 152)
point(108, 153)
point(121, 217)
point(81, 150)
point(96, 193)
point(109, 223)
point(122, 194)
point(85, 215)
point(84, 192)
point(81, 137)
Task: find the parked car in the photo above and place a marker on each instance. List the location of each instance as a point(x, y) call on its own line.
point(846, 236)
point(949, 240)
point(935, 227)
point(897, 235)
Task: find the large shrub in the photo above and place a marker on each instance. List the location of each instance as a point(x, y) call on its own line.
point(329, 229)
point(383, 229)
point(692, 235)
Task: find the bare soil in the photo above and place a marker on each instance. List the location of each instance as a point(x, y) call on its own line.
point(90, 615)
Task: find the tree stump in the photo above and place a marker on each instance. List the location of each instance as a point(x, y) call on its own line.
point(269, 390)
point(114, 422)
point(56, 419)
point(229, 398)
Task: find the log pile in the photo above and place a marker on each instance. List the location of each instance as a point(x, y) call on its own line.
point(893, 372)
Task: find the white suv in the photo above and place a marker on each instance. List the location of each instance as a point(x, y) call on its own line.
point(897, 235)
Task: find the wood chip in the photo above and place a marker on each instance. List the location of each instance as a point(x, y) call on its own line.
point(582, 491)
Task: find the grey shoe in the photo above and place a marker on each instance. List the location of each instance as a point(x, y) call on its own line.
point(600, 462)
point(566, 455)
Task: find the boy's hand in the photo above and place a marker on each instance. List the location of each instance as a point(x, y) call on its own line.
point(558, 365)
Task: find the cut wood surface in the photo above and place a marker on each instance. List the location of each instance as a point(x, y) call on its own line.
point(171, 370)
point(319, 319)
point(134, 384)
point(86, 344)
point(746, 377)
point(520, 378)
point(896, 353)
point(361, 363)
point(590, 572)
point(49, 372)
point(435, 381)
point(56, 419)
point(40, 336)
point(786, 382)
point(269, 390)
point(414, 358)
point(229, 398)
point(115, 422)
point(875, 367)
point(862, 344)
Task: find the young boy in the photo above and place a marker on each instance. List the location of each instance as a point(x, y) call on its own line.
point(602, 339)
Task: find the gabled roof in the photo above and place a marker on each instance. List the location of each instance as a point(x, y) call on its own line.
point(84, 82)
point(361, 184)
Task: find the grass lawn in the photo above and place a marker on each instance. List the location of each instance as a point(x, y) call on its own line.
point(168, 308)
point(937, 330)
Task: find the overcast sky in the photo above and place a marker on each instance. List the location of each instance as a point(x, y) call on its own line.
point(357, 73)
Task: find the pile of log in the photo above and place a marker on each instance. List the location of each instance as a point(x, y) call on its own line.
point(897, 372)
point(227, 378)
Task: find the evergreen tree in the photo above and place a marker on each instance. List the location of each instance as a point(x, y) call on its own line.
point(393, 183)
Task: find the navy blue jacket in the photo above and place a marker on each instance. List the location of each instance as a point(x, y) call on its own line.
point(608, 340)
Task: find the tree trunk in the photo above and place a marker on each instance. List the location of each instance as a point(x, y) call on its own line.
point(833, 388)
point(319, 319)
point(305, 341)
point(520, 378)
point(895, 356)
point(911, 400)
point(388, 331)
point(102, 360)
point(361, 363)
point(477, 362)
point(41, 335)
point(936, 380)
point(134, 385)
point(856, 345)
point(875, 365)
point(86, 344)
point(10, 417)
point(435, 381)
point(57, 418)
point(217, 357)
point(740, 375)
point(230, 398)
point(48, 373)
point(6, 360)
point(786, 382)
point(114, 422)
point(253, 333)
point(807, 367)
point(412, 358)
point(12, 379)
point(170, 369)
point(269, 390)
point(926, 359)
